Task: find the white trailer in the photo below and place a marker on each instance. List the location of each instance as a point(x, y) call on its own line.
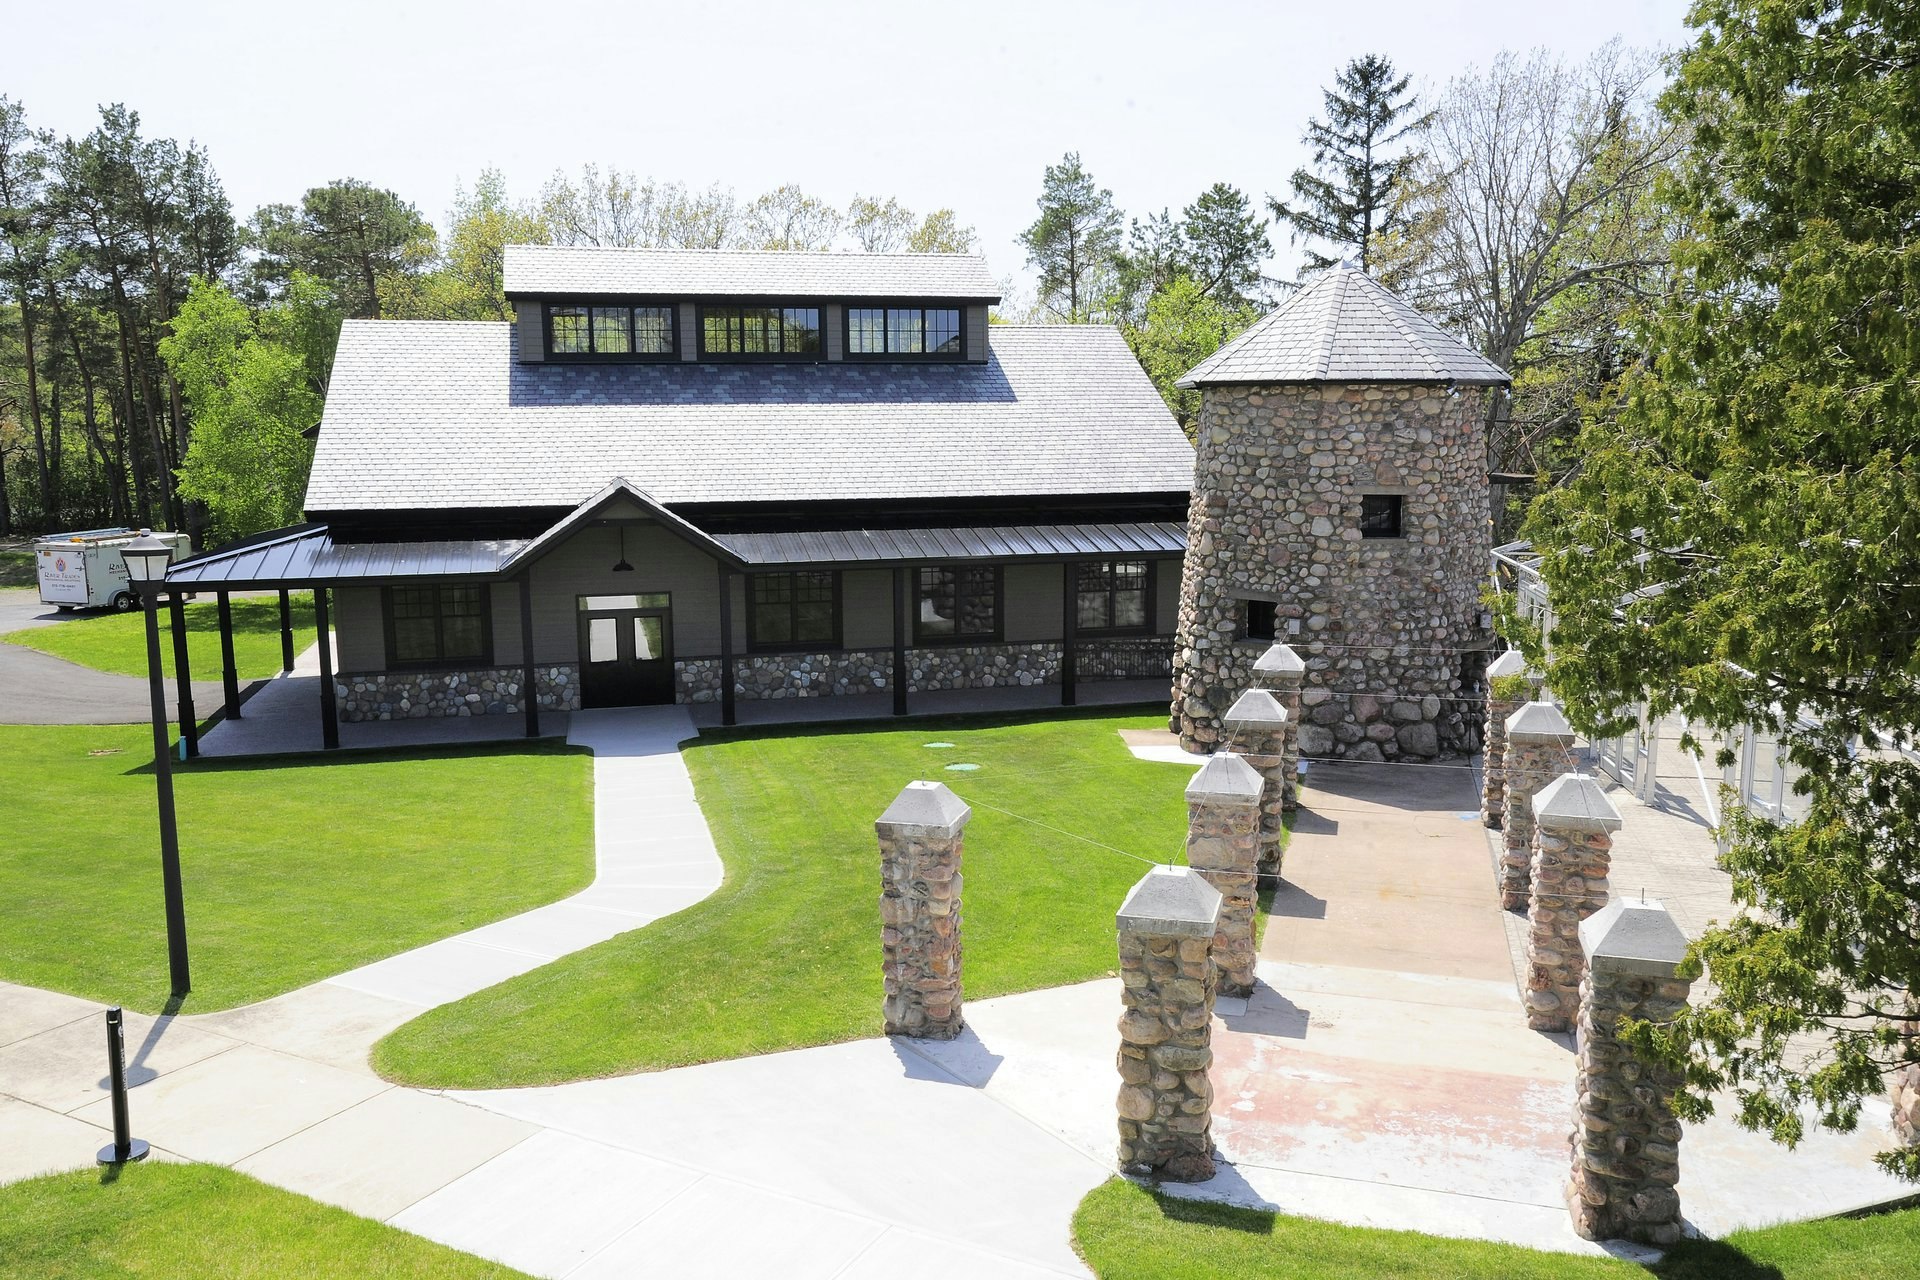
point(85, 570)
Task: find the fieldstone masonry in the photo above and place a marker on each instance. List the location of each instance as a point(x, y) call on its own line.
point(1224, 845)
point(1903, 1092)
point(1258, 724)
point(1625, 1146)
point(1279, 474)
point(1166, 927)
point(1280, 671)
point(920, 844)
point(1573, 824)
point(1538, 741)
point(417, 695)
point(1503, 674)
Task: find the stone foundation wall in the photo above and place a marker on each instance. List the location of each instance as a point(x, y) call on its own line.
point(972, 666)
point(1383, 623)
point(418, 695)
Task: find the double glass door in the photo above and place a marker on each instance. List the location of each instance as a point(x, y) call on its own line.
point(626, 650)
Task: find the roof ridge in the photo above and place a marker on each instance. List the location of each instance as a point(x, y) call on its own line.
point(792, 253)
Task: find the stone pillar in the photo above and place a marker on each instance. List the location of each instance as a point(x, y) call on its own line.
point(1538, 740)
point(1510, 685)
point(1223, 844)
point(1625, 1146)
point(920, 840)
point(1280, 671)
point(1257, 724)
point(1167, 926)
point(1573, 824)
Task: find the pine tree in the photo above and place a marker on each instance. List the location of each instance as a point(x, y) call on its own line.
point(1074, 241)
point(1347, 198)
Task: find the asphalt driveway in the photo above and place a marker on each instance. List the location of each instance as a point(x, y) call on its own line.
point(38, 688)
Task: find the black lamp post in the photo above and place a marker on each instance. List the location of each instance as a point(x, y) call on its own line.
point(147, 558)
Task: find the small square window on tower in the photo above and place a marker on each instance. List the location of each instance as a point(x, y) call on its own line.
point(1258, 622)
point(1380, 515)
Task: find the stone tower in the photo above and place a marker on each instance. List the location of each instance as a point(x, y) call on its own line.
point(1340, 505)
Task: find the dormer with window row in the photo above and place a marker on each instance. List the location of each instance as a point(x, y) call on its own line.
point(645, 305)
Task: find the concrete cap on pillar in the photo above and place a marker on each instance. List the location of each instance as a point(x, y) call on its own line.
point(1542, 721)
point(1573, 800)
point(1258, 710)
point(1638, 938)
point(1171, 900)
point(926, 806)
point(1511, 663)
point(1280, 660)
point(1226, 778)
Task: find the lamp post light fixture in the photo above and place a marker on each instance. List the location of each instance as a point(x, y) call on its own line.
point(147, 558)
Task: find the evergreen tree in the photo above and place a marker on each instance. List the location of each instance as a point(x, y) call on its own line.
point(349, 233)
point(1347, 197)
point(1075, 240)
point(1742, 545)
point(1226, 241)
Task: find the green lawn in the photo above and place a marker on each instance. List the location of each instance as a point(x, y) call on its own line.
point(200, 1220)
point(17, 569)
point(295, 868)
point(1126, 1232)
point(787, 952)
point(117, 642)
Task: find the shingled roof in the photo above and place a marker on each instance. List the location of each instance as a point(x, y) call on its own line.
point(1345, 327)
point(440, 414)
point(543, 270)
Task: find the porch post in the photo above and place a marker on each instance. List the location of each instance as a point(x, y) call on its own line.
point(329, 714)
point(182, 674)
point(286, 630)
point(529, 688)
point(229, 673)
point(1069, 619)
point(727, 715)
point(900, 597)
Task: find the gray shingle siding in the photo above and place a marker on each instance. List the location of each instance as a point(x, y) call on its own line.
point(439, 414)
point(1345, 327)
point(537, 269)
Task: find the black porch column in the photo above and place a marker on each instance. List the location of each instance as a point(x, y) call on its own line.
point(182, 674)
point(286, 630)
point(529, 690)
point(727, 715)
point(900, 598)
point(229, 673)
point(329, 713)
point(1069, 626)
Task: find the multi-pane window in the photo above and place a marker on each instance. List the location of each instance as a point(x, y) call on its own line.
point(903, 331)
point(787, 610)
point(610, 331)
point(957, 602)
point(1380, 515)
point(760, 331)
point(432, 626)
point(1111, 595)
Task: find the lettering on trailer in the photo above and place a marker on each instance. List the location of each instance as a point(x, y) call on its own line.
point(63, 577)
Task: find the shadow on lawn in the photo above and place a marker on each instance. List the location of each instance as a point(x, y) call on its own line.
point(931, 722)
point(366, 755)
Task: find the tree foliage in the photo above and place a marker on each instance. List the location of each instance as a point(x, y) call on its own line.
point(351, 234)
point(942, 232)
point(789, 218)
point(1225, 244)
point(1349, 197)
point(1183, 325)
point(1074, 242)
point(1742, 545)
point(251, 397)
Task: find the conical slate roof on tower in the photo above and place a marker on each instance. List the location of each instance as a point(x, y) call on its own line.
point(1345, 327)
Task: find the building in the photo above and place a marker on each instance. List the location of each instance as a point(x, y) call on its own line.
point(1340, 504)
point(684, 476)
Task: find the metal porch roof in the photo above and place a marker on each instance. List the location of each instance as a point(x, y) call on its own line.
point(311, 555)
point(996, 542)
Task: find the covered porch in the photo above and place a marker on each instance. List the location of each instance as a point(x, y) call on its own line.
point(624, 602)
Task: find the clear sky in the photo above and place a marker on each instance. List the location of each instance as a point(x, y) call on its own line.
point(961, 103)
